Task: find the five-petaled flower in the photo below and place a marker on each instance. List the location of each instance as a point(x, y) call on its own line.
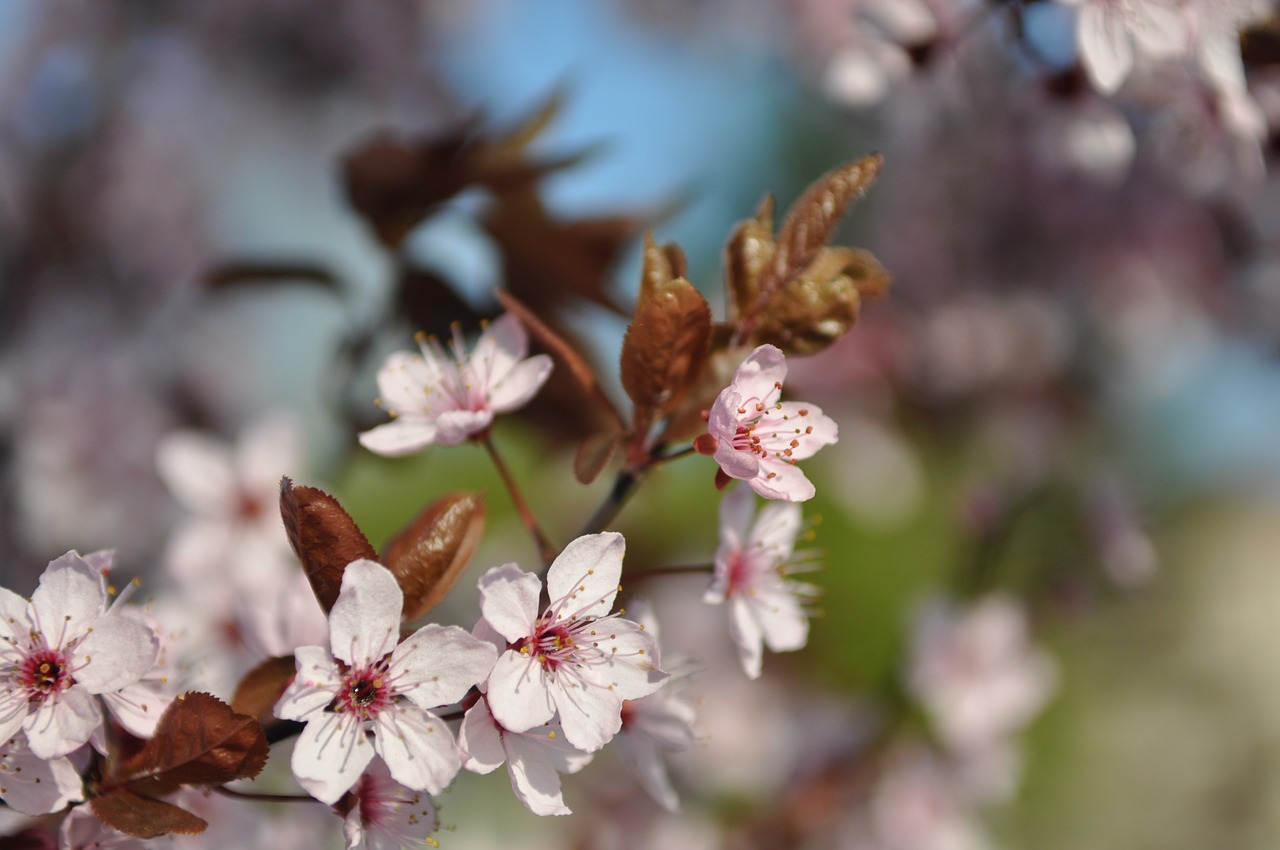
point(764, 605)
point(575, 658)
point(382, 814)
point(757, 438)
point(370, 682)
point(436, 398)
point(61, 650)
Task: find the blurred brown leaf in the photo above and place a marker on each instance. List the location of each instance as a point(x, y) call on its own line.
point(432, 551)
point(143, 817)
point(252, 273)
point(429, 304)
point(594, 454)
point(748, 253)
point(199, 740)
point(261, 688)
point(817, 307)
point(324, 537)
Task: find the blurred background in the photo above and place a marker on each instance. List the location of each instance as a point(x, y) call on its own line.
point(1055, 503)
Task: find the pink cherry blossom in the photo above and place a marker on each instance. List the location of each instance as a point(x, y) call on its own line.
point(438, 398)
point(36, 786)
point(385, 815)
point(758, 438)
point(575, 658)
point(61, 650)
point(765, 607)
point(1113, 35)
point(535, 758)
point(368, 682)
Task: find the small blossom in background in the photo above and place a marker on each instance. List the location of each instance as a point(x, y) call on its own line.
point(1113, 36)
point(535, 758)
point(575, 658)
point(977, 673)
point(757, 438)
point(385, 815)
point(369, 681)
point(59, 651)
point(765, 607)
point(438, 398)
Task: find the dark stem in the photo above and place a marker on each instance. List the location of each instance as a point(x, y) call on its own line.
point(660, 572)
point(546, 551)
point(264, 798)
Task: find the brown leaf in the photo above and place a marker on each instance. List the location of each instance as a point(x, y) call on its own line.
point(657, 269)
point(817, 307)
point(261, 688)
point(594, 454)
point(813, 217)
point(664, 348)
point(748, 253)
point(143, 817)
point(253, 273)
point(428, 556)
point(199, 740)
point(324, 537)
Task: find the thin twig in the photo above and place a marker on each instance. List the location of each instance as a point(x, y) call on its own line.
point(259, 797)
point(546, 551)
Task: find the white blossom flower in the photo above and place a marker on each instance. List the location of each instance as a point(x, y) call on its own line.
point(437, 398)
point(36, 786)
point(368, 682)
point(764, 605)
point(1112, 34)
point(575, 658)
point(535, 758)
point(977, 673)
point(756, 438)
point(385, 815)
point(651, 726)
point(59, 651)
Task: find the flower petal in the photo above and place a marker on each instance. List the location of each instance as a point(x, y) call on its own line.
point(758, 376)
point(58, 726)
point(480, 740)
point(454, 426)
point(746, 635)
point(776, 528)
point(402, 379)
point(118, 652)
point(313, 687)
point(583, 579)
point(643, 757)
point(331, 753)
point(819, 429)
point(590, 715)
point(69, 599)
point(781, 618)
point(533, 776)
point(509, 600)
point(788, 482)
point(518, 387)
point(1104, 46)
point(437, 665)
point(630, 667)
point(35, 786)
point(518, 694)
point(418, 748)
point(364, 624)
point(198, 471)
point(400, 437)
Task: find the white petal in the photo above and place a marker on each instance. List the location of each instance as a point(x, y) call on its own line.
point(402, 383)
point(480, 741)
point(70, 597)
point(590, 715)
point(454, 426)
point(418, 748)
point(821, 430)
point(742, 465)
point(331, 753)
point(781, 619)
point(14, 620)
point(313, 687)
point(533, 777)
point(198, 471)
point(56, 727)
point(33, 785)
point(788, 482)
point(364, 624)
point(521, 384)
point(1105, 47)
point(518, 695)
point(776, 528)
point(138, 707)
point(503, 344)
point(583, 579)
point(13, 711)
point(437, 665)
point(631, 670)
point(400, 437)
point(736, 511)
point(758, 376)
point(118, 652)
point(509, 600)
point(746, 635)
point(643, 757)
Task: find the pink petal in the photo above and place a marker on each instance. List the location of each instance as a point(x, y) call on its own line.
point(402, 380)
point(631, 670)
point(736, 511)
point(364, 624)
point(643, 757)
point(1104, 46)
point(509, 600)
point(13, 711)
point(314, 686)
point(824, 431)
point(331, 753)
point(502, 345)
point(437, 665)
point(787, 483)
point(14, 624)
point(480, 741)
point(781, 618)
point(518, 695)
point(533, 777)
point(747, 636)
point(758, 376)
point(590, 715)
point(418, 748)
point(198, 471)
point(776, 528)
point(742, 465)
point(454, 426)
point(586, 575)
point(35, 786)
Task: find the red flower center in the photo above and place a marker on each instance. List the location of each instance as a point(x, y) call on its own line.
point(44, 673)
